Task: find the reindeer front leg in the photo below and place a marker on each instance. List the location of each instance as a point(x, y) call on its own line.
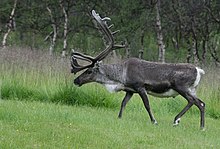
point(124, 102)
point(142, 93)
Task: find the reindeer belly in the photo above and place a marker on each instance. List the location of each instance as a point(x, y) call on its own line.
point(168, 93)
point(162, 89)
point(117, 87)
point(112, 87)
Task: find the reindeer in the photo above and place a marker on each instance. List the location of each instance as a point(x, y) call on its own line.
point(139, 76)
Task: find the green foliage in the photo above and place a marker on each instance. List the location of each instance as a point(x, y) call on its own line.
point(14, 90)
point(46, 80)
point(91, 95)
point(214, 104)
point(64, 93)
point(182, 22)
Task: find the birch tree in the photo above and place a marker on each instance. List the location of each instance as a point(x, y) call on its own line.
point(65, 27)
point(161, 46)
point(53, 33)
point(10, 25)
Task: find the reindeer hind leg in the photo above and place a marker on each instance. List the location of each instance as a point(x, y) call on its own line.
point(190, 96)
point(201, 105)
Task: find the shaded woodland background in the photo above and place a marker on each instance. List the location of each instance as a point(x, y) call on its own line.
point(158, 30)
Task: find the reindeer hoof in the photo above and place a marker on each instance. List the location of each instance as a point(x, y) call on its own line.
point(202, 128)
point(154, 122)
point(176, 122)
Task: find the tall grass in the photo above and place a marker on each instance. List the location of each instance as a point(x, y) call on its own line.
point(33, 75)
point(209, 91)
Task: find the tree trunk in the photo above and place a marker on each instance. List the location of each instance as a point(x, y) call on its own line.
point(214, 46)
point(114, 54)
point(189, 53)
point(195, 52)
point(65, 29)
point(195, 44)
point(204, 50)
point(10, 25)
point(160, 43)
point(141, 51)
point(54, 32)
point(127, 48)
point(206, 37)
point(175, 44)
point(4, 41)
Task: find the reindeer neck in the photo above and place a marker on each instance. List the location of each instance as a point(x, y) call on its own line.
point(113, 72)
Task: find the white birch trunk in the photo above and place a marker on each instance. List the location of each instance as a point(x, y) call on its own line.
point(53, 40)
point(4, 41)
point(10, 25)
point(160, 43)
point(65, 29)
point(196, 60)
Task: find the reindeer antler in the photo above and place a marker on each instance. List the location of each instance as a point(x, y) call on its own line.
point(105, 29)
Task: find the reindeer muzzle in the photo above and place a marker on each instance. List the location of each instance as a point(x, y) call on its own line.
point(77, 82)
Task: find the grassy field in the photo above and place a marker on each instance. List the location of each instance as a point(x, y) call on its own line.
point(46, 125)
point(41, 108)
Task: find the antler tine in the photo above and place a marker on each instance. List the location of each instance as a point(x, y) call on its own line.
point(75, 65)
point(102, 24)
point(115, 32)
point(76, 69)
point(81, 56)
point(110, 26)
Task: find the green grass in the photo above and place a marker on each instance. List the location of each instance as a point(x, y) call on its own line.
point(45, 125)
point(41, 108)
point(33, 75)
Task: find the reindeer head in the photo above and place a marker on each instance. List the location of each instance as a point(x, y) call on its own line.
point(93, 72)
point(90, 75)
